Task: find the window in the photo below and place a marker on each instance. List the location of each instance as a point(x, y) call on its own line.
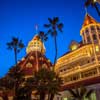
point(98, 28)
point(94, 37)
point(34, 45)
point(88, 39)
point(34, 42)
point(28, 65)
point(92, 28)
point(87, 31)
point(44, 66)
point(74, 47)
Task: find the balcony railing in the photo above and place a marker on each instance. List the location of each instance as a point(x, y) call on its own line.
point(81, 75)
point(79, 68)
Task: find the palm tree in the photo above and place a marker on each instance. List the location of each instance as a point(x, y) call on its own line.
point(43, 36)
point(16, 45)
point(41, 82)
point(93, 4)
point(45, 83)
point(6, 84)
point(53, 27)
point(54, 84)
point(16, 76)
point(80, 93)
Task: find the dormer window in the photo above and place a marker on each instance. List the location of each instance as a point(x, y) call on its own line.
point(74, 47)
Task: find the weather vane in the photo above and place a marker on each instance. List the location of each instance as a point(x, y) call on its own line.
point(36, 28)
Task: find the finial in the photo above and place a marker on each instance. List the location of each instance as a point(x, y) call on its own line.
point(86, 10)
point(36, 28)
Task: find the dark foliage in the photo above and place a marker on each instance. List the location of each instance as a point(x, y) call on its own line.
point(15, 45)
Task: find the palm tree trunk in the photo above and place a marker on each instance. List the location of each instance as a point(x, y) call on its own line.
point(42, 96)
point(97, 9)
point(15, 52)
point(48, 96)
point(56, 51)
point(52, 97)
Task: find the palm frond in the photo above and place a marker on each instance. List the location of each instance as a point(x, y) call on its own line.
point(60, 26)
point(97, 9)
point(89, 93)
point(50, 20)
point(49, 31)
point(47, 25)
point(72, 92)
point(83, 91)
point(55, 20)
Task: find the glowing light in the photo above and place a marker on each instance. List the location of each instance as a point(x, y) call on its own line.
point(97, 48)
point(74, 47)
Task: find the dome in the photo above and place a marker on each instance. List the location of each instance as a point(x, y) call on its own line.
point(35, 45)
point(88, 20)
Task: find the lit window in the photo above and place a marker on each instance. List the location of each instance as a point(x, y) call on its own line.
point(34, 42)
point(97, 48)
point(28, 65)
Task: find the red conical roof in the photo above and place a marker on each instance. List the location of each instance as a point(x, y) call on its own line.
point(88, 20)
point(33, 62)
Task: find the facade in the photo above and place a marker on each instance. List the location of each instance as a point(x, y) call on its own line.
point(81, 65)
point(35, 58)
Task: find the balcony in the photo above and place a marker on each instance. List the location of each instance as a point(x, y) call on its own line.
point(84, 75)
point(77, 69)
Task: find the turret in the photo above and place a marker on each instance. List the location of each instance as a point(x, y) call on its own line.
point(90, 31)
point(36, 45)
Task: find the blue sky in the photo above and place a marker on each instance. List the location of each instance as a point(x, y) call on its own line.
point(19, 17)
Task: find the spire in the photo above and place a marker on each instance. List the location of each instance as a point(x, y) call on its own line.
point(88, 20)
point(86, 10)
point(35, 45)
point(36, 28)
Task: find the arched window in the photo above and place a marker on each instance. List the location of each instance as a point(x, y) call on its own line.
point(98, 28)
point(87, 31)
point(94, 37)
point(88, 39)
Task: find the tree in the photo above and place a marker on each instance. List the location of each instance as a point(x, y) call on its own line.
point(43, 36)
point(45, 83)
point(93, 4)
point(4, 87)
point(16, 75)
point(15, 45)
point(54, 84)
point(53, 27)
point(80, 93)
